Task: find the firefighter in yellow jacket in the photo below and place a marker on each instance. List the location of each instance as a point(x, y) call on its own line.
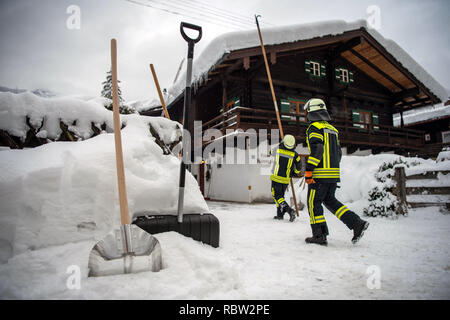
point(322, 175)
point(287, 163)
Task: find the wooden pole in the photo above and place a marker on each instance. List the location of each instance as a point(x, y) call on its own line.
point(161, 98)
point(274, 98)
point(124, 214)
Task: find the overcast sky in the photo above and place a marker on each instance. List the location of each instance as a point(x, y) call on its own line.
point(38, 50)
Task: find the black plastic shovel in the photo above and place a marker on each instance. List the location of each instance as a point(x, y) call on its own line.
point(202, 227)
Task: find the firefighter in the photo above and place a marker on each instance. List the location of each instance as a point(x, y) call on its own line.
point(287, 163)
point(322, 175)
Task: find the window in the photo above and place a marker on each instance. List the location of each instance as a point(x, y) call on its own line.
point(297, 107)
point(290, 106)
point(427, 137)
point(344, 76)
point(366, 120)
point(315, 68)
point(445, 136)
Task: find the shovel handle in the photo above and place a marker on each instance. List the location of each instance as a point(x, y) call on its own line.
point(124, 214)
point(193, 27)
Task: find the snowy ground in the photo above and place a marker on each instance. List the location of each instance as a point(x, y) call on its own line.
point(259, 258)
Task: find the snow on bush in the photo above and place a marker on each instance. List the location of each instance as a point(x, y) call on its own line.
point(28, 120)
point(382, 200)
point(46, 114)
point(63, 192)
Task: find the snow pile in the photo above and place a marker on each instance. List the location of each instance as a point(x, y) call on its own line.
point(224, 44)
point(64, 192)
point(442, 163)
point(46, 113)
point(444, 155)
point(145, 105)
point(411, 254)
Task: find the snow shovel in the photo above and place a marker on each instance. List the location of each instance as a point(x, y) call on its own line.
point(128, 249)
point(201, 227)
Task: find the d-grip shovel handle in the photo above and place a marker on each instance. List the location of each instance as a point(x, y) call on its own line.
point(193, 27)
point(187, 103)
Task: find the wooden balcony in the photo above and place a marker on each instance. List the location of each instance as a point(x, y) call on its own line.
point(380, 136)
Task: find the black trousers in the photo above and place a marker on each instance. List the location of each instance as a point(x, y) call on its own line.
point(278, 191)
point(321, 193)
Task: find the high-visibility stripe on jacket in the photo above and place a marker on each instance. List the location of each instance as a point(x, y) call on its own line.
point(286, 162)
point(325, 151)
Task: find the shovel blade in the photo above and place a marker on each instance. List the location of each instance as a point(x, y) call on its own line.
point(122, 252)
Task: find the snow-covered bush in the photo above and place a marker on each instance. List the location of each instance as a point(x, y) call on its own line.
point(28, 121)
point(382, 200)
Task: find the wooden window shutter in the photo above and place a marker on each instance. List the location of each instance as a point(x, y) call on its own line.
point(323, 70)
point(285, 108)
point(337, 73)
point(307, 66)
point(375, 121)
point(356, 119)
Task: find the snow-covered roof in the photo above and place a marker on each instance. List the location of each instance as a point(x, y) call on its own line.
point(232, 41)
point(424, 114)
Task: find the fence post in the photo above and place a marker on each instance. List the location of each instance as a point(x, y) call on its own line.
point(400, 190)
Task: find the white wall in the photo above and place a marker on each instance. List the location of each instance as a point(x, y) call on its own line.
point(239, 182)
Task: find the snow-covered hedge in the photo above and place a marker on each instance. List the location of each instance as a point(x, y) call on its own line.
point(63, 192)
point(28, 120)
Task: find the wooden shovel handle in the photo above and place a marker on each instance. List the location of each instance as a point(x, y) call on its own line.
point(274, 98)
point(161, 98)
point(124, 213)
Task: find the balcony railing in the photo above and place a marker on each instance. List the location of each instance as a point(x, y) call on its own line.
point(350, 132)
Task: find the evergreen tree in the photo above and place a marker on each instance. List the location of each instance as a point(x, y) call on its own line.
point(107, 93)
point(107, 87)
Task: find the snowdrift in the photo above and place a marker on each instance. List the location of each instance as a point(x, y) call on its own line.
point(63, 192)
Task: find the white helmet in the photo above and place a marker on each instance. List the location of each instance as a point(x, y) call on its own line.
point(316, 110)
point(289, 141)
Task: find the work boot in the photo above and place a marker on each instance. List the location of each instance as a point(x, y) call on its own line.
point(285, 208)
point(321, 240)
point(291, 214)
point(280, 215)
point(358, 230)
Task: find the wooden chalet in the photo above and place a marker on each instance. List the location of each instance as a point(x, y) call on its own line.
point(436, 128)
point(362, 82)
